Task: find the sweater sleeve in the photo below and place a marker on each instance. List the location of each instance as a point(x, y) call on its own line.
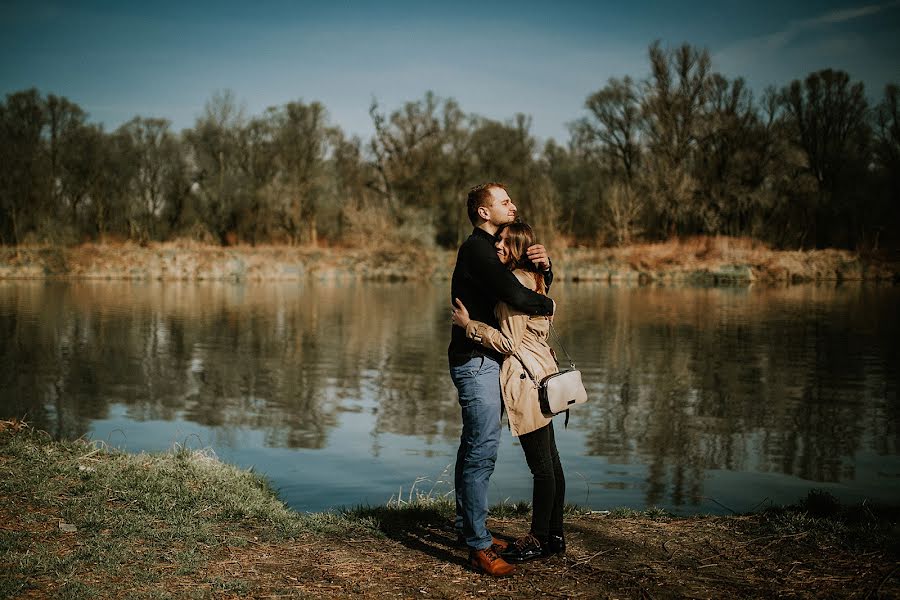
point(490, 272)
point(548, 277)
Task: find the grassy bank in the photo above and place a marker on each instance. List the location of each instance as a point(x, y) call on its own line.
point(80, 521)
point(694, 261)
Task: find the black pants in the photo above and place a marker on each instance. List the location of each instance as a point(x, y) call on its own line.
point(549, 495)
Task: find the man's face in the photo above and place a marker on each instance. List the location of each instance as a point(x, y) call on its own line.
point(500, 210)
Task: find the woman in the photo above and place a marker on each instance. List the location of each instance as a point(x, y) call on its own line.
point(524, 339)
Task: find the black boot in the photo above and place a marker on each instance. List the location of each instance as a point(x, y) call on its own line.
point(556, 544)
point(524, 549)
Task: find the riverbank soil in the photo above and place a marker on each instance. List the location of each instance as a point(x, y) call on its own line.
point(610, 557)
point(80, 521)
point(696, 261)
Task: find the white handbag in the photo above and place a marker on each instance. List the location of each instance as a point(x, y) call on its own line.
point(558, 392)
point(561, 391)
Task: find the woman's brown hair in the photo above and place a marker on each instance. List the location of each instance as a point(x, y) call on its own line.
point(519, 236)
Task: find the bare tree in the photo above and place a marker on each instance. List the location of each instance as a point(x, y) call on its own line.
point(405, 147)
point(157, 166)
point(423, 155)
point(730, 159)
point(887, 128)
point(215, 153)
point(25, 185)
point(673, 108)
point(615, 124)
point(827, 115)
point(111, 191)
point(67, 139)
point(257, 157)
point(887, 159)
point(300, 146)
point(79, 167)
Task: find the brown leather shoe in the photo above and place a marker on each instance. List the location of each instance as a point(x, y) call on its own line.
point(488, 561)
point(499, 545)
point(496, 543)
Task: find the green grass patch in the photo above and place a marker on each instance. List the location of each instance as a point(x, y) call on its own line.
point(11, 585)
point(510, 510)
point(82, 505)
point(654, 513)
point(821, 519)
point(229, 586)
point(75, 590)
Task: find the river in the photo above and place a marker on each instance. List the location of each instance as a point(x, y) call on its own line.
point(702, 400)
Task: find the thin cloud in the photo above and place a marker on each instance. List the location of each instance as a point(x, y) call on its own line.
point(775, 41)
point(848, 14)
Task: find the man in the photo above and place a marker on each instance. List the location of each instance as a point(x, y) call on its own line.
point(480, 280)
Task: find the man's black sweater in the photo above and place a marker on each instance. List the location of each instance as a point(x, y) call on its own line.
point(480, 280)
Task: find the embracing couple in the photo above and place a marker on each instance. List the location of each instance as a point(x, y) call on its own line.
point(501, 315)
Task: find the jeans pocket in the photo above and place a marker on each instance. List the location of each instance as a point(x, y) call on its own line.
point(481, 361)
point(469, 369)
point(467, 379)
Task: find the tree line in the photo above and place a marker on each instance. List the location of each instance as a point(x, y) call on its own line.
point(684, 151)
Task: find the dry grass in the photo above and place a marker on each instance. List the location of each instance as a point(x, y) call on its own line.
point(695, 260)
point(694, 252)
point(713, 260)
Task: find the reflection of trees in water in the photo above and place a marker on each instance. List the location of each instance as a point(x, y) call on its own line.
point(412, 389)
point(39, 356)
point(793, 381)
point(283, 359)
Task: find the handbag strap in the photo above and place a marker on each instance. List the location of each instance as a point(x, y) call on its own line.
point(538, 385)
point(559, 342)
point(527, 370)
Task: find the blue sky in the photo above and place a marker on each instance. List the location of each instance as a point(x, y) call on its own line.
point(165, 59)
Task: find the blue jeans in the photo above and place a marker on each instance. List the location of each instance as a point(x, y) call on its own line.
point(478, 383)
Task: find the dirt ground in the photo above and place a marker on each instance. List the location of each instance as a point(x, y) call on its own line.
point(606, 558)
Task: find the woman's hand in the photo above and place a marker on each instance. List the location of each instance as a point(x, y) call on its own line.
point(458, 314)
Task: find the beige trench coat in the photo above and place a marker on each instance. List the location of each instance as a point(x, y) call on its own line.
point(525, 336)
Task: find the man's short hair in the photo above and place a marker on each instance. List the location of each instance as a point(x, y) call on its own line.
point(480, 195)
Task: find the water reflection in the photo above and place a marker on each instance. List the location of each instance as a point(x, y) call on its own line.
point(794, 381)
point(800, 382)
point(283, 359)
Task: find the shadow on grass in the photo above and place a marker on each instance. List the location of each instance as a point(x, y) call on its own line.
point(423, 526)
